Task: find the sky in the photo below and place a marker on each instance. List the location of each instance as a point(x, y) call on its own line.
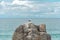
point(29, 8)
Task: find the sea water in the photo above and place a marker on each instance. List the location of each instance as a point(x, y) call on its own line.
point(9, 25)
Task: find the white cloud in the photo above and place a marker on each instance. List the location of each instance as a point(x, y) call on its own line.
point(19, 2)
point(45, 8)
point(3, 3)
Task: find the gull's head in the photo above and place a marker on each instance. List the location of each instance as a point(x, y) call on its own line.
point(29, 20)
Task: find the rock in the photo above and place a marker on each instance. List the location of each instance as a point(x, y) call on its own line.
point(18, 34)
point(43, 34)
point(31, 32)
point(42, 28)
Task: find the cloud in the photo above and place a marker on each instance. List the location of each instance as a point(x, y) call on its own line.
point(16, 7)
point(19, 2)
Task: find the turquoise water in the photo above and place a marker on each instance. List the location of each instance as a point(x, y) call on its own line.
point(8, 26)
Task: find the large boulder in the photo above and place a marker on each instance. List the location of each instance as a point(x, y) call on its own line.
point(32, 32)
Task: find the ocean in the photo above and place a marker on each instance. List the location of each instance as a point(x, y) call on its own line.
point(9, 25)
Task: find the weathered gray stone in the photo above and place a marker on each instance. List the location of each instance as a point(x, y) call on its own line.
point(31, 32)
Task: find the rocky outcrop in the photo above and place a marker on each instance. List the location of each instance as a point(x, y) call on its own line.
point(32, 32)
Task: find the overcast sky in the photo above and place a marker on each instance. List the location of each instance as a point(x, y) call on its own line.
point(29, 8)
